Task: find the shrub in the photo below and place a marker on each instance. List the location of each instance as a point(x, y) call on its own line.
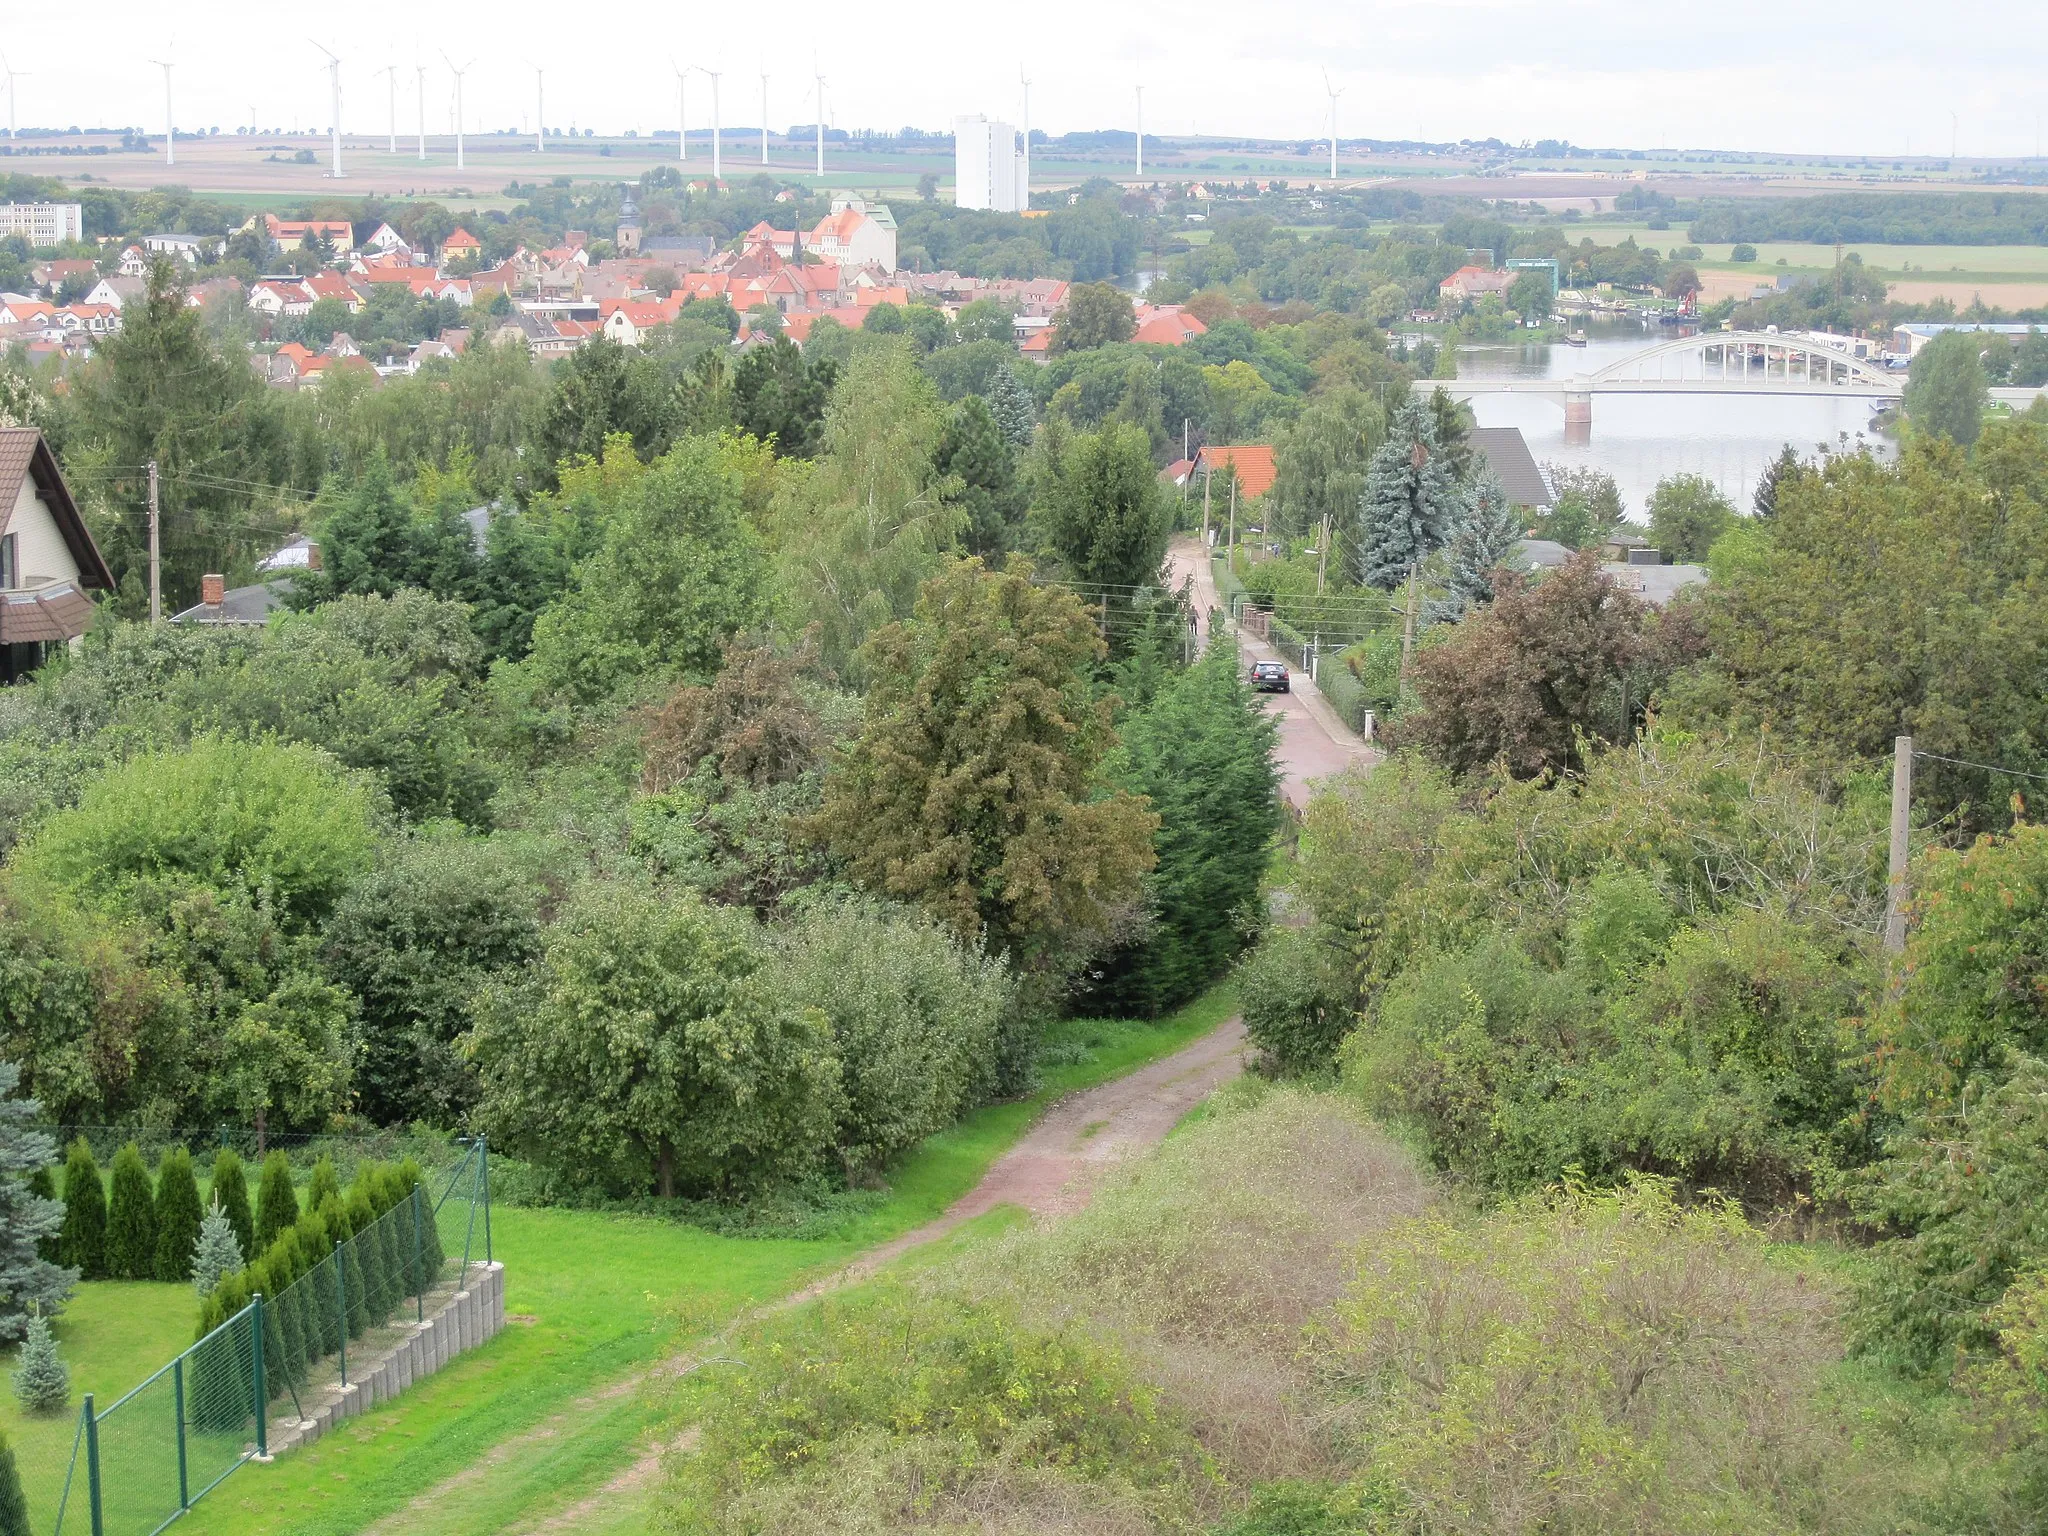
point(82, 1240)
point(216, 1253)
point(13, 1502)
point(325, 1181)
point(131, 1218)
point(277, 1202)
point(915, 1019)
point(178, 1216)
point(1293, 1001)
point(41, 1382)
point(230, 1190)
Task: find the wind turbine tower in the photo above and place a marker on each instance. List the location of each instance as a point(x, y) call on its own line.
point(458, 74)
point(764, 117)
point(170, 133)
point(13, 90)
point(1333, 94)
point(420, 72)
point(717, 163)
point(821, 125)
point(540, 110)
point(333, 106)
point(682, 117)
point(1026, 79)
point(390, 74)
point(1141, 133)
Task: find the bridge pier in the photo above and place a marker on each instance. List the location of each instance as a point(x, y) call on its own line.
point(1578, 412)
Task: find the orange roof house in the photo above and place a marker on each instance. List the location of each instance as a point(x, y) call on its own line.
point(1167, 325)
point(1253, 462)
point(462, 240)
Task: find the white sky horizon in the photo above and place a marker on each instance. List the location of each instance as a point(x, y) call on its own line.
point(1831, 77)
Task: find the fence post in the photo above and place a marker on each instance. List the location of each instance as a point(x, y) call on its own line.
point(92, 1469)
point(341, 1301)
point(483, 1179)
point(259, 1387)
point(469, 1231)
point(178, 1389)
point(419, 1287)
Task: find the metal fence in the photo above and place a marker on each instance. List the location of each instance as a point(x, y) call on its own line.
point(138, 1464)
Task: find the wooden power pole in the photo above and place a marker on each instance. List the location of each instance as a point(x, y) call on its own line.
point(156, 589)
point(1902, 809)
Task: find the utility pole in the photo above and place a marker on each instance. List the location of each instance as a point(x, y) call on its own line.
point(1205, 514)
point(1408, 628)
point(1230, 554)
point(156, 589)
point(1323, 555)
point(1902, 811)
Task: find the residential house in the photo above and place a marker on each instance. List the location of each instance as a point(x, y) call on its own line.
point(631, 321)
point(385, 241)
point(1253, 463)
point(224, 290)
point(16, 310)
point(90, 319)
point(1167, 325)
point(48, 561)
point(52, 275)
point(187, 248)
point(247, 607)
point(1507, 454)
point(1468, 284)
point(325, 284)
point(460, 245)
point(338, 235)
point(856, 233)
point(118, 291)
point(274, 296)
point(134, 262)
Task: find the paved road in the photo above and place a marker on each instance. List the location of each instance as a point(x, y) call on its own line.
point(1314, 742)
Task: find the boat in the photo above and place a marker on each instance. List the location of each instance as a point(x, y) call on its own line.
point(1575, 339)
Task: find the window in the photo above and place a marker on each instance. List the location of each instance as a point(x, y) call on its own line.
point(10, 564)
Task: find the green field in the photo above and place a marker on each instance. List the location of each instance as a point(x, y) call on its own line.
point(557, 1405)
point(1990, 263)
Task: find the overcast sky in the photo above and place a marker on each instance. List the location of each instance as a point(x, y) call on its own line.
point(1826, 76)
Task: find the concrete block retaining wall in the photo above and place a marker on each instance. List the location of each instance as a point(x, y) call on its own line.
point(461, 1322)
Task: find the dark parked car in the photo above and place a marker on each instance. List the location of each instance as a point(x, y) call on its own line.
point(1271, 677)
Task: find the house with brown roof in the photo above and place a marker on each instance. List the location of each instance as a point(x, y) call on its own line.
point(48, 561)
point(1167, 325)
point(1251, 462)
point(1469, 283)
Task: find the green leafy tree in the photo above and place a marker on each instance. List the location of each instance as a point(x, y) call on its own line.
point(1773, 483)
point(1320, 461)
point(230, 1191)
point(82, 1239)
point(780, 396)
point(976, 787)
point(1202, 756)
point(974, 452)
point(649, 1051)
point(42, 1384)
point(1687, 514)
point(602, 390)
point(1529, 295)
point(277, 1202)
point(131, 1218)
point(1413, 503)
point(1095, 315)
point(178, 1216)
point(28, 1280)
point(680, 569)
point(1598, 495)
point(218, 1251)
point(1105, 515)
point(1945, 389)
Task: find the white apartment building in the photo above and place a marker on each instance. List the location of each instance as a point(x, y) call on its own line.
point(988, 167)
point(43, 224)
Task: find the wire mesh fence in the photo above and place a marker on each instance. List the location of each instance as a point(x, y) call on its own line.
point(136, 1465)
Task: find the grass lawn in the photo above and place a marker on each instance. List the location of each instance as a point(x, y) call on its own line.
point(553, 1408)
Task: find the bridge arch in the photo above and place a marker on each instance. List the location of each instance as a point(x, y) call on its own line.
point(1740, 355)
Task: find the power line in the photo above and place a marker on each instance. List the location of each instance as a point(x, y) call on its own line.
point(1962, 762)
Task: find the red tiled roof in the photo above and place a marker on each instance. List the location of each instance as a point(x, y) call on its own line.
point(1256, 471)
point(462, 240)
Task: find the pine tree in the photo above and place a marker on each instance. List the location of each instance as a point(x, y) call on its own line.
point(41, 1382)
point(1010, 403)
point(277, 1203)
point(179, 1216)
point(1771, 484)
point(325, 1182)
point(231, 1191)
point(1484, 543)
point(13, 1503)
point(131, 1218)
point(27, 1220)
point(82, 1239)
point(1413, 503)
point(218, 1252)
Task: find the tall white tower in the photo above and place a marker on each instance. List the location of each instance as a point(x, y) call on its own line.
point(987, 172)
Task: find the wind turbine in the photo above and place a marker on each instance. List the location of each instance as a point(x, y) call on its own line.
point(458, 74)
point(1333, 94)
point(420, 85)
point(334, 103)
point(821, 119)
point(390, 74)
point(1026, 188)
point(1141, 133)
point(717, 171)
point(764, 117)
point(682, 116)
point(170, 133)
point(13, 90)
point(540, 109)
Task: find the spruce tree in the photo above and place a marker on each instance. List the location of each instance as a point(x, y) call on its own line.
point(1413, 503)
point(179, 1216)
point(217, 1252)
point(13, 1503)
point(131, 1218)
point(82, 1239)
point(41, 1382)
point(1484, 543)
point(43, 1185)
point(1010, 403)
point(974, 451)
point(1772, 482)
point(27, 1220)
point(231, 1191)
point(277, 1203)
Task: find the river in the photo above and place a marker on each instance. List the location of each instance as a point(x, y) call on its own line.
point(1640, 439)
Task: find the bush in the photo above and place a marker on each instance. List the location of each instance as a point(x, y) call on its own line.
point(230, 1190)
point(277, 1202)
point(131, 1218)
point(41, 1382)
point(1293, 1002)
point(82, 1240)
point(217, 1253)
point(915, 1020)
point(325, 1181)
point(13, 1502)
point(178, 1216)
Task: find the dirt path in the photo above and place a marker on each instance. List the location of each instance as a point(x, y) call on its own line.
point(1051, 1171)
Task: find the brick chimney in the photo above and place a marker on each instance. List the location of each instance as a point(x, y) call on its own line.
point(212, 590)
point(312, 556)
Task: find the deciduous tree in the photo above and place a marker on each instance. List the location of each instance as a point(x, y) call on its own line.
point(1095, 315)
point(1687, 514)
